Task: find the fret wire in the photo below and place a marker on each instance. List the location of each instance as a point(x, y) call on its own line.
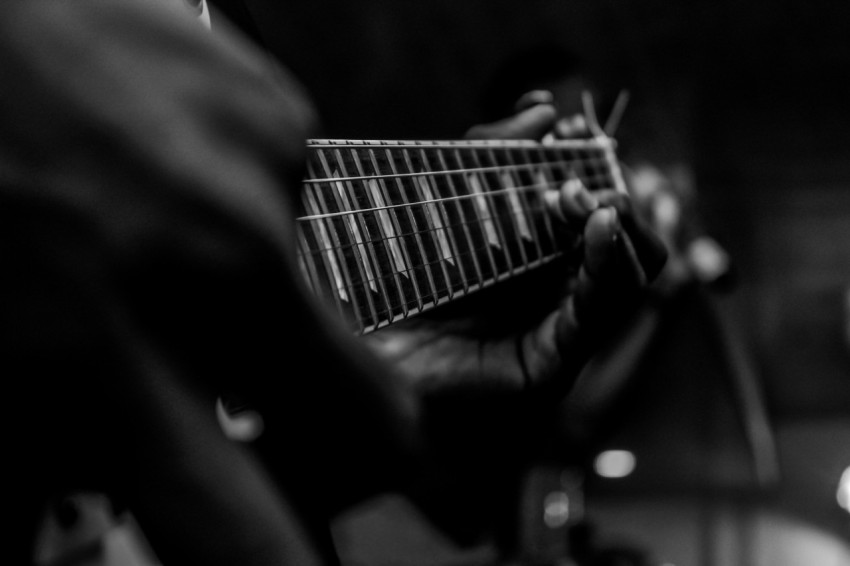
point(342, 248)
point(433, 299)
point(523, 195)
point(530, 208)
point(589, 162)
point(413, 233)
point(412, 306)
point(415, 251)
point(419, 247)
point(569, 164)
point(488, 249)
point(328, 293)
point(335, 264)
point(407, 257)
point(397, 260)
point(441, 210)
point(436, 293)
point(369, 304)
point(576, 168)
point(574, 143)
point(513, 203)
point(494, 208)
point(569, 168)
point(524, 188)
point(436, 173)
point(435, 235)
point(432, 274)
point(332, 269)
point(302, 247)
point(383, 276)
point(546, 183)
point(450, 182)
point(367, 247)
point(343, 193)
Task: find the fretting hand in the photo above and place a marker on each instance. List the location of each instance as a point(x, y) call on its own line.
point(490, 369)
point(546, 326)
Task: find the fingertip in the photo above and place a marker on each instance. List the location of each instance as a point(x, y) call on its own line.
point(534, 122)
point(602, 225)
point(552, 201)
point(571, 126)
point(599, 240)
point(543, 111)
point(576, 192)
point(533, 98)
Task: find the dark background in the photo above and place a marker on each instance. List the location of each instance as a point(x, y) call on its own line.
point(753, 95)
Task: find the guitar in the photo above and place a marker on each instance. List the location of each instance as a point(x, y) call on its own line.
point(389, 229)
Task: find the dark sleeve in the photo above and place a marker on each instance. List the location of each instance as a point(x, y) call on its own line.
point(147, 172)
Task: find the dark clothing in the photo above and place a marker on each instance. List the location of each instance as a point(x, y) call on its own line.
point(146, 175)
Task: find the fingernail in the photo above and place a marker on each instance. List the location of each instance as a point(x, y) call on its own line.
point(586, 200)
point(564, 128)
point(571, 126)
point(533, 98)
point(577, 192)
point(610, 221)
point(553, 201)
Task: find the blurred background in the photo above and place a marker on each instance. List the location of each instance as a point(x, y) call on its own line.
point(730, 400)
point(715, 431)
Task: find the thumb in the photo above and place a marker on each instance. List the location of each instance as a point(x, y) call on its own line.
point(531, 123)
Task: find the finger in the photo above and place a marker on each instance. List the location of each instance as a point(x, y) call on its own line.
point(572, 202)
point(572, 127)
point(531, 123)
point(648, 247)
point(600, 236)
point(611, 278)
point(533, 98)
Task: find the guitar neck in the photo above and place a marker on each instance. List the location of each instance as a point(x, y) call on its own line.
point(389, 229)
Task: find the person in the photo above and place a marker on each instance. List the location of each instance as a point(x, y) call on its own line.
point(148, 171)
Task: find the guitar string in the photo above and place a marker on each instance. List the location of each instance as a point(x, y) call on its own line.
point(414, 305)
point(496, 192)
point(367, 282)
point(346, 248)
point(594, 162)
point(539, 211)
point(429, 300)
point(483, 144)
point(432, 299)
point(439, 293)
point(488, 169)
point(478, 220)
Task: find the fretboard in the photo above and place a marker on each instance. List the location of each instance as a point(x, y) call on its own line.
point(390, 229)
